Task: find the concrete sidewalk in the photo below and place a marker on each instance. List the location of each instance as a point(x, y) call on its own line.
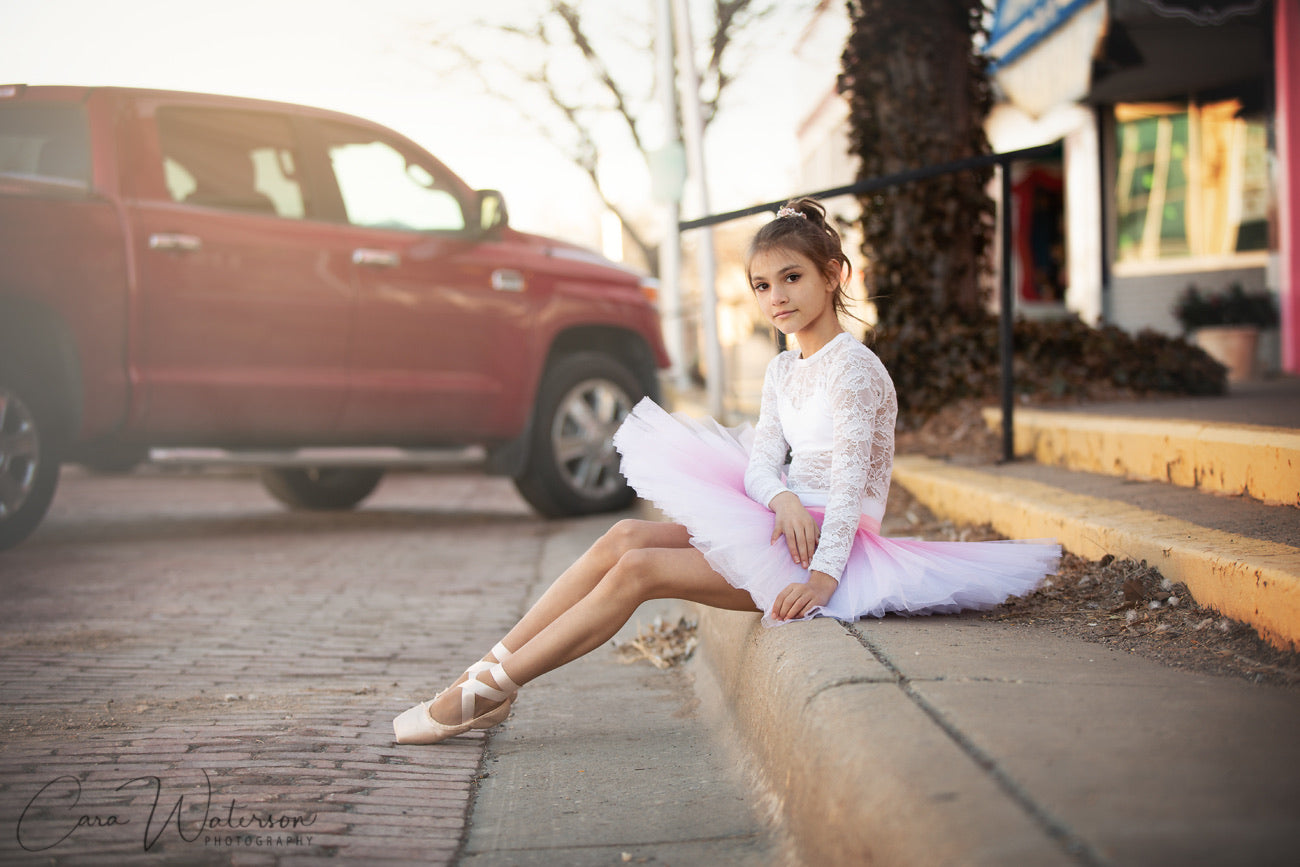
point(955, 740)
point(951, 740)
point(1271, 402)
point(605, 762)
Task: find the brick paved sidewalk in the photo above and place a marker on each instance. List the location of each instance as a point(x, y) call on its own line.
point(190, 674)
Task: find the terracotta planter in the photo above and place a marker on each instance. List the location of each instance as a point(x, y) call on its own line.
point(1233, 346)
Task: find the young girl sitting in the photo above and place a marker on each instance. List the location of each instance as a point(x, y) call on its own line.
point(751, 534)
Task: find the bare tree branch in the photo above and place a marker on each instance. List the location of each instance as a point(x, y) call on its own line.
point(585, 157)
point(577, 116)
point(731, 18)
point(573, 22)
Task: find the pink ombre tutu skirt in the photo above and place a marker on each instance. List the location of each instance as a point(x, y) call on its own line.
point(693, 470)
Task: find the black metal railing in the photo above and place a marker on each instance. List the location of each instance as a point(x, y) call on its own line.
point(1005, 300)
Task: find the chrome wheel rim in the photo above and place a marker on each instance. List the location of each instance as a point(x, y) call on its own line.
point(20, 454)
point(582, 437)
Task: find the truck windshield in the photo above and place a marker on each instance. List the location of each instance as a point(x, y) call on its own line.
point(45, 141)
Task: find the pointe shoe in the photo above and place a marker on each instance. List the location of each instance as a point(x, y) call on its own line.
point(416, 725)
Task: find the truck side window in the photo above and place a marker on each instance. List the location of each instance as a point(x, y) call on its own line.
point(381, 189)
point(45, 141)
point(235, 160)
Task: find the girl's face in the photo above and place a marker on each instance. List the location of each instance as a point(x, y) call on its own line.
point(792, 291)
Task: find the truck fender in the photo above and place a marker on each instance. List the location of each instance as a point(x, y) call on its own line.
point(36, 346)
point(511, 458)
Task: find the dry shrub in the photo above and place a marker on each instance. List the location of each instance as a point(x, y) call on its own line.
point(939, 360)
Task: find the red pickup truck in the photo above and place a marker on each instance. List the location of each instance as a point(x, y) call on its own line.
point(182, 269)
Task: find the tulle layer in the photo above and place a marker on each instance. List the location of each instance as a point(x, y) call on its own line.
point(693, 470)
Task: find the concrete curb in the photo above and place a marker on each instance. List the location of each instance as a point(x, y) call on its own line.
point(860, 774)
point(1261, 462)
point(1250, 580)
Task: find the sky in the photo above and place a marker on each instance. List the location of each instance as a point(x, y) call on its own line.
point(378, 60)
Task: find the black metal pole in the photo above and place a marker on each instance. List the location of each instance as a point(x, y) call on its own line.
point(1103, 207)
point(1006, 332)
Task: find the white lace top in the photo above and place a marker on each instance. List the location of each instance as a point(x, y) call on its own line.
point(834, 412)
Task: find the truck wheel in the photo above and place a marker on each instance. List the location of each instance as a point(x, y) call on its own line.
point(572, 466)
point(29, 465)
point(321, 488)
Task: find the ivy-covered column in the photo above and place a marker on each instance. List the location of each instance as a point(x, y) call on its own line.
point(919, 95)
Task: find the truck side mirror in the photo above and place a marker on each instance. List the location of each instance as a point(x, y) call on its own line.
point(491, 210)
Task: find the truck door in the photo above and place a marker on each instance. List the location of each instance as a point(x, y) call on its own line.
point(442, 320)
point(246, 300)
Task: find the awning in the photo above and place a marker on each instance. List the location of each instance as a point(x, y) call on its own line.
point(1047, 53)
point(1184, 49)
point(1021, 25)
point(1042, 50)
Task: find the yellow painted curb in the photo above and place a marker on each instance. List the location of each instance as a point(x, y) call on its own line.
point(1250, 580)
point(1261, 462)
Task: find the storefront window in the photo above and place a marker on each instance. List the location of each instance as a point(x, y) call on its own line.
point(1191, 181)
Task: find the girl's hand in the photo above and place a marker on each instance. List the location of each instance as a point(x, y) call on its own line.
point(793, 521)
point(798, 600)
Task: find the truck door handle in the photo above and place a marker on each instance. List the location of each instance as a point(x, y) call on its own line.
point(375, 258)
point(507, 280)
point(171, 241)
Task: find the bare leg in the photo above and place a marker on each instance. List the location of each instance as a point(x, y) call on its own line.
point(640, 574)
point(585, 573)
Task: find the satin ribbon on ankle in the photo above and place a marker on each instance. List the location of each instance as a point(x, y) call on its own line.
point(499, 651)
point(474, 687)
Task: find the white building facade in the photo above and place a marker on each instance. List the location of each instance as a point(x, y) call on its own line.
point(1173, 118)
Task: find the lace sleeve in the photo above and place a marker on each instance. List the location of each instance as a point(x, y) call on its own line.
point(763, 475)
point(863, 407)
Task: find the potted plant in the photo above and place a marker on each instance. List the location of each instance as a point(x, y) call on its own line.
point(1227, 325)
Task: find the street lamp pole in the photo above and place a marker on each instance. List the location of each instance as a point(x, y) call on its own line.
point(693, 130)
point(667, 182)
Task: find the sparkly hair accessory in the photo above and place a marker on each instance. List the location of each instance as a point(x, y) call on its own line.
point(787, 211)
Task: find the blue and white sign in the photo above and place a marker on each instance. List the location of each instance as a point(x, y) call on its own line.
point(1019, 25)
